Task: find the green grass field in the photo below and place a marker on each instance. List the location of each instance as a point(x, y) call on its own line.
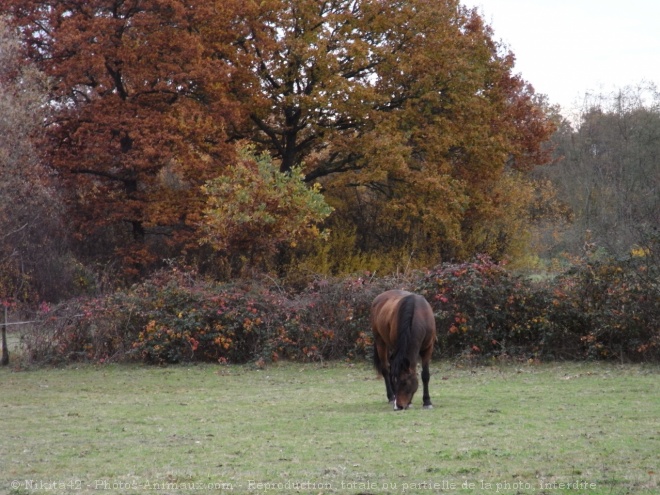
point(296, 428)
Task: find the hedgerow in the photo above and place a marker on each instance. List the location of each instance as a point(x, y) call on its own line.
point(173, 317)
point(598, 309)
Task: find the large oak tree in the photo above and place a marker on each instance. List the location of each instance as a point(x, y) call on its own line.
point(407, 112)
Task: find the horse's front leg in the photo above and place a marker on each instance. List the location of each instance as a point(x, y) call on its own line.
point(385, 371)
point(388, 386)
point(382, 364)
point(426, 376)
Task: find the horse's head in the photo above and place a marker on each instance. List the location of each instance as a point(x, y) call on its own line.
point(404, 385)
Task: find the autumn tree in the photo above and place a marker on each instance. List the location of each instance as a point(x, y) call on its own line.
point(408, 112)
point(139, 118)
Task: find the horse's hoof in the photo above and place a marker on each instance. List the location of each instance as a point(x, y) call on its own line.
point(428, 406)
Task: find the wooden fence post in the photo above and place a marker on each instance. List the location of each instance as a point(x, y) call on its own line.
point(5, 351)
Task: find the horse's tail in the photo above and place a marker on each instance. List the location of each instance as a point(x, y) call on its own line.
point(404, 331)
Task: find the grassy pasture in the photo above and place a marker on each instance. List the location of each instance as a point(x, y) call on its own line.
point(296, 428)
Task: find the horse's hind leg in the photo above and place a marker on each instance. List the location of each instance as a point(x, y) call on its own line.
point(426, 375)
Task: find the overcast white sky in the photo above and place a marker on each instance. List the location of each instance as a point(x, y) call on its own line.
point(566, 48)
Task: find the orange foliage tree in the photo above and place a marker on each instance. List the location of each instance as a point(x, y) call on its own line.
point(139, 120)
point(407, 111)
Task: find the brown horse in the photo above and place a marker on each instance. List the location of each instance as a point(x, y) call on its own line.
point(404, 330)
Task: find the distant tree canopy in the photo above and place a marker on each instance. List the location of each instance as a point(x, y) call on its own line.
point(609, 171)
point(407, 113)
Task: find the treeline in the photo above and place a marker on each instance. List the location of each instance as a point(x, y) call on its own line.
point(598, 309)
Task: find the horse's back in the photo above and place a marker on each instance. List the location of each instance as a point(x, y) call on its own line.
point(384, 311)
point(383, 314)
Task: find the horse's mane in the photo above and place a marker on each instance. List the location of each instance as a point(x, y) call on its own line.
point(404, 333)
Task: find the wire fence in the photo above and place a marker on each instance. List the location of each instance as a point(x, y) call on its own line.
point(7, 345)
point(9, 323)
